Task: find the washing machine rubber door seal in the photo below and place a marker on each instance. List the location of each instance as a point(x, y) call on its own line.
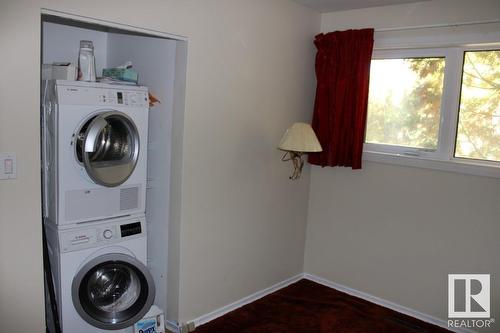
point(113, 291)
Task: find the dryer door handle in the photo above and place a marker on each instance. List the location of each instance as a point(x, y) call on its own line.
point(92, 134)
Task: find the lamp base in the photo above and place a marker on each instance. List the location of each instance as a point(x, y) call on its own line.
point(298, 163)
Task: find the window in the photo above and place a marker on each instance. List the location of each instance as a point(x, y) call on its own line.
point(439, 105)
point(405, 102)
point(478, 132)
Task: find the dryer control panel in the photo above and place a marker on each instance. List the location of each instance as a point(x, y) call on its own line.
point(106, 95)
point(94, 234)
point(123, 98)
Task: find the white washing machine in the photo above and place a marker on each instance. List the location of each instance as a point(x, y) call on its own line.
point(100, 277)
point(94, 151)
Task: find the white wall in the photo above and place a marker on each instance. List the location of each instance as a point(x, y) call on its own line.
point(56, 50)
point(396, 232)
point(242, 222)
point(250, 75)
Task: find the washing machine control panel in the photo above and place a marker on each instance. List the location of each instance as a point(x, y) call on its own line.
point(130, 229)
point(107, 234)
point(100, 234)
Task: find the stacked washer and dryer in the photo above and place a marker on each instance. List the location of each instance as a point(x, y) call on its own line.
point(94, 155)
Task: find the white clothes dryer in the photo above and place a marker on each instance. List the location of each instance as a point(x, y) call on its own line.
point(94, 151)
point(100, 277)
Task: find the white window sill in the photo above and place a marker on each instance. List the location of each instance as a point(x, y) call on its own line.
point(454, 165)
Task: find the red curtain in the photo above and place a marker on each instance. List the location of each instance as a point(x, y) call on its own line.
point(342, 73)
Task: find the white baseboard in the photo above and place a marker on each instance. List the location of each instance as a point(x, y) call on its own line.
point(172, 326)
point(244, 301)
point(353, 292)
point(379, 301)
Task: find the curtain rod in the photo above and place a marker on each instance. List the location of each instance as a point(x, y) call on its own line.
point(443, 25)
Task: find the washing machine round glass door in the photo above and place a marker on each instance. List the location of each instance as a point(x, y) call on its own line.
point(113, 291)
point(107, 145)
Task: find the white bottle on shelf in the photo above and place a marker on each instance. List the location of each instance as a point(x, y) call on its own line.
point(86, 62)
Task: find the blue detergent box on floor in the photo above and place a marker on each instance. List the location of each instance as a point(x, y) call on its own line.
point(152, 322)
point(146, 326)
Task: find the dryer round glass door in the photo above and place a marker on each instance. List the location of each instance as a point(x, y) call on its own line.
point(113, 291)
point(108, 147)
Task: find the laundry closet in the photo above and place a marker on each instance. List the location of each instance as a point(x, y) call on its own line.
point(160, 61)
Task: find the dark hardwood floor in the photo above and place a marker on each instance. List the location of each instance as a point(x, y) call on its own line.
point(308, 307)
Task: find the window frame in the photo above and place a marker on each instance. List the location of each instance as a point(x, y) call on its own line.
point(443, 158)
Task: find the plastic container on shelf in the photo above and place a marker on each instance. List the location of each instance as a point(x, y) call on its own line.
point(86, 62)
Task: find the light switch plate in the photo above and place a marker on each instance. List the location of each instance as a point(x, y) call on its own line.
point(8, 166)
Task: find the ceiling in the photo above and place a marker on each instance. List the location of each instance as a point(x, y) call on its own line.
point(336, 5)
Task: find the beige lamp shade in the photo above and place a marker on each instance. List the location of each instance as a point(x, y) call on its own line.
point(300, 137)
